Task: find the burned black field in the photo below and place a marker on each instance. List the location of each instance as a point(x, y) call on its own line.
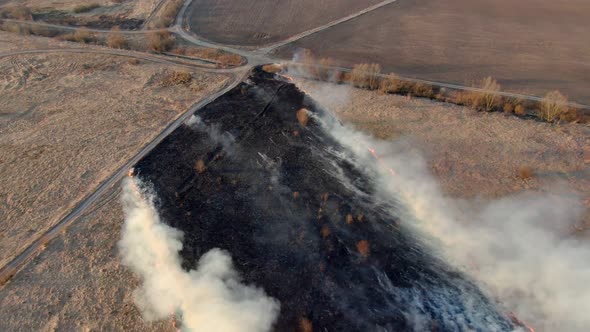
point(253, 178)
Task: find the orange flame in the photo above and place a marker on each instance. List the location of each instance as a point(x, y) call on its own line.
point(376, 156)
point(517, 321)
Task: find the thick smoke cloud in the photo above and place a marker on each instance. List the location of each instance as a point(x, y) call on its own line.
point(209, 298)
point(519, 248)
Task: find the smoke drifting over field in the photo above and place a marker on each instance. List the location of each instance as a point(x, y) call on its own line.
point(210, 298)
point(518, 247)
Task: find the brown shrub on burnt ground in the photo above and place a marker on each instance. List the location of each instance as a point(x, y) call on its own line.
point(325, 231)
point(305, 325)
point(116, 39)
point(160, 41)
point(303, 117)
point(363, 248)
point(272, 68)
point(200, 167)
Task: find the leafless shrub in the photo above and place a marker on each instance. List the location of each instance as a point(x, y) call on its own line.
point(160, 41)
point(116, 39)
point(85, 8)
point(553, 106)
point(349, 219)
point(305, 325)
point(365, 75)
point(487, 99)
point(200, 167)
point(133, 61)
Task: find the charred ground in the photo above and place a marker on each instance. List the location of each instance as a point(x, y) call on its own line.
point(302, 222)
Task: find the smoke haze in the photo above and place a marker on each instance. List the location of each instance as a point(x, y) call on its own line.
point(518, 248)
point(208, 298)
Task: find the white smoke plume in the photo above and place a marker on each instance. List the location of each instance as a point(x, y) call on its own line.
point(519, 248)
point(209, 298)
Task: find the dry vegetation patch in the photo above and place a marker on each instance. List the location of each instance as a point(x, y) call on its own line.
point(167, 14)
point(68, 122)
point(160, 41)
point(472, 154)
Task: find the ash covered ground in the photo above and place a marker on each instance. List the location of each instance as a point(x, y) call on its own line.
point(250, 176)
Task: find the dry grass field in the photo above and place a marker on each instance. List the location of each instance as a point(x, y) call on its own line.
point(474, 155)
point(259, 22)
point(530, 46)
point(69, 121)
point(77, 283)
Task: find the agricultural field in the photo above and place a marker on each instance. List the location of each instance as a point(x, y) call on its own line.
point(530, 46)
point(259, 22)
